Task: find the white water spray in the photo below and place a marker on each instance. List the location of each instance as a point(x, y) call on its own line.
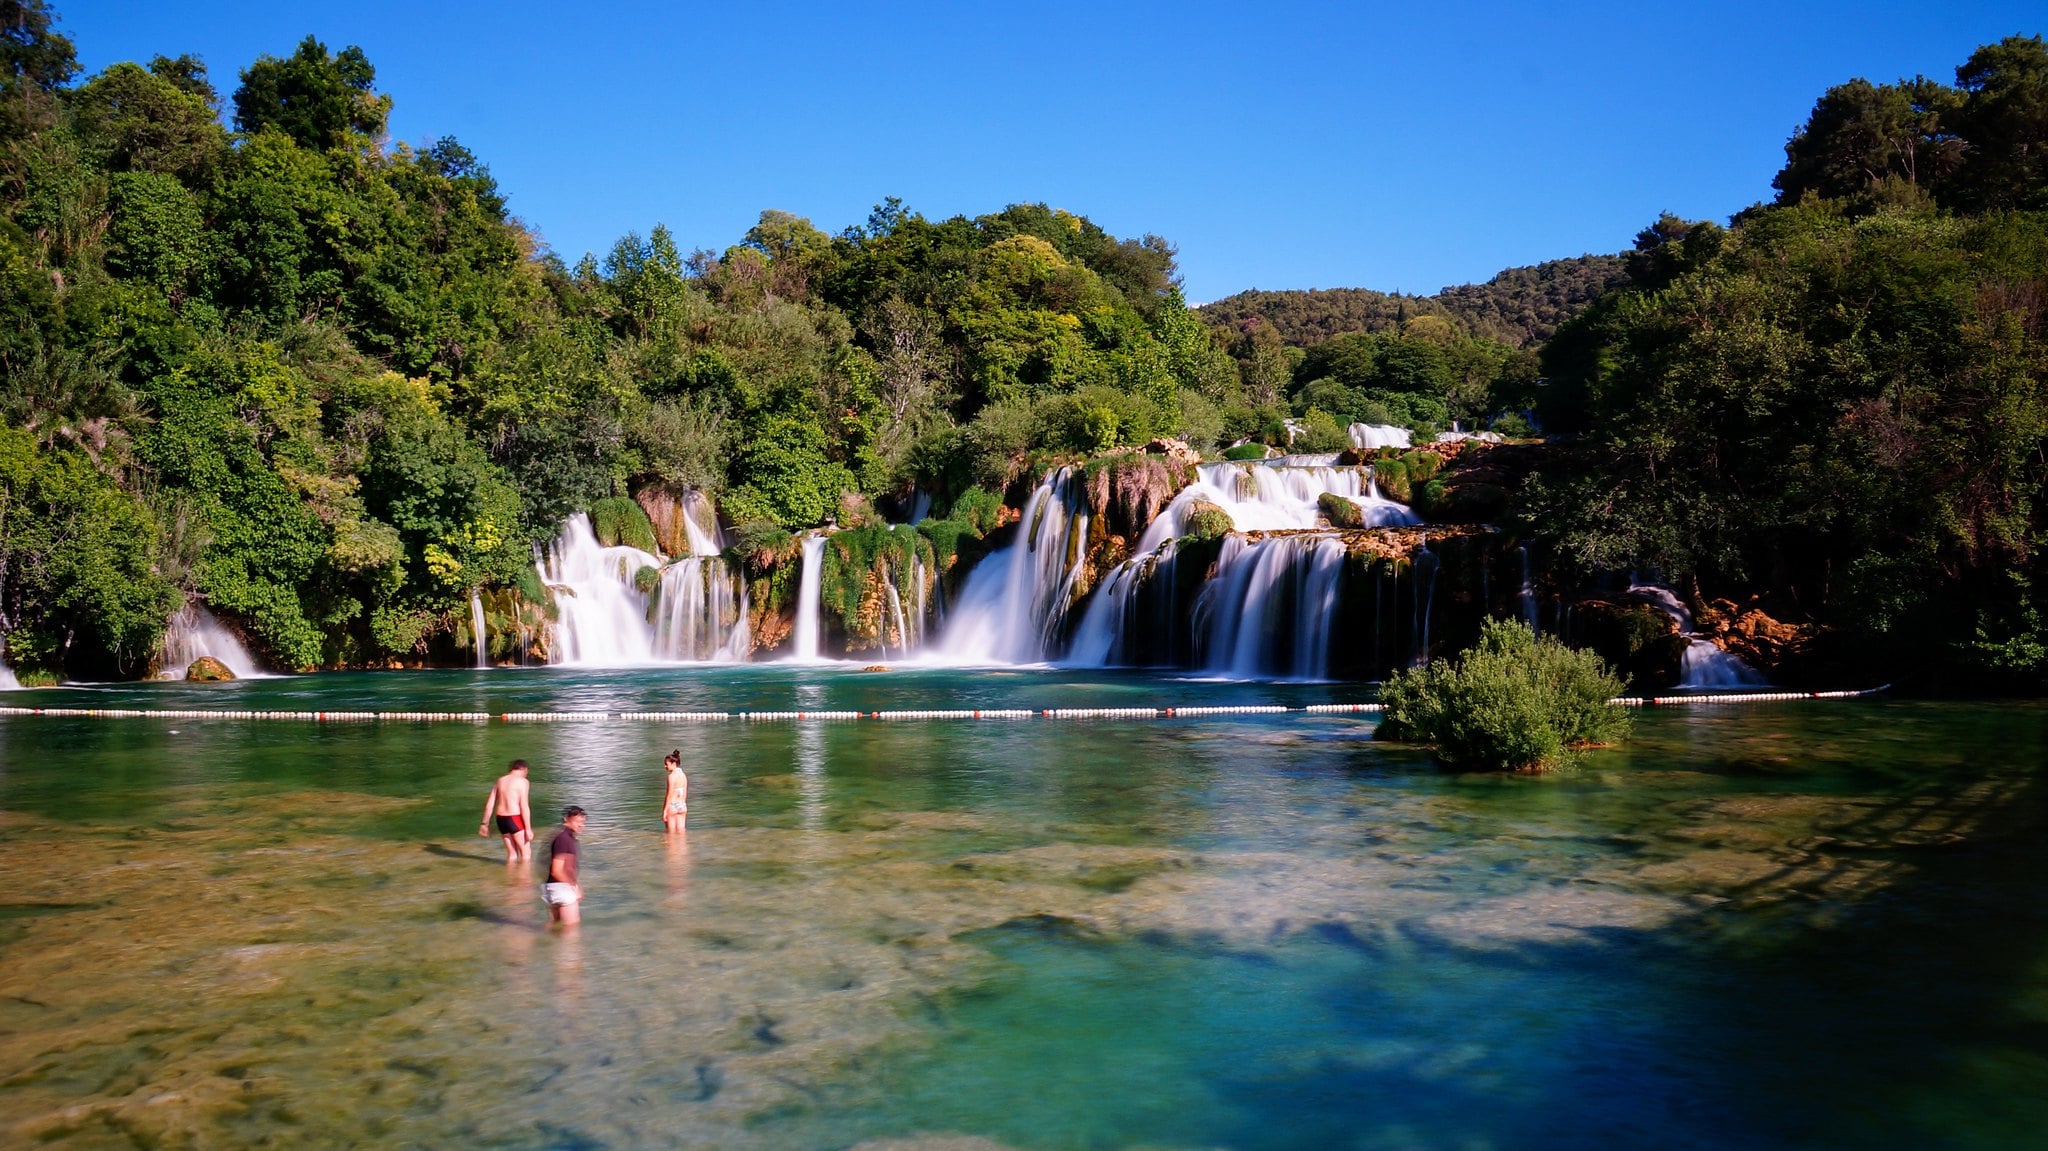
point(1704, 666)
point(808, 610)
point(1015, 600)
point(476, 629)
point(194, 632)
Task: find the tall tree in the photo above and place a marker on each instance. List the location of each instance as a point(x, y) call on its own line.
point(316, 98)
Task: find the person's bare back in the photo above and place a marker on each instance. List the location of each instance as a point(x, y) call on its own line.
point(509, 805)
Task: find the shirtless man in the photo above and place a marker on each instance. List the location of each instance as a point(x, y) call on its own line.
point(564, 890)
point(509, 805)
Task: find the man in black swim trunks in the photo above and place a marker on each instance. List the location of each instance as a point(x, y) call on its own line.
point(564, 889)
point(509, 805)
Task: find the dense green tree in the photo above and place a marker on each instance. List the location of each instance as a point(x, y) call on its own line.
point(317, 98)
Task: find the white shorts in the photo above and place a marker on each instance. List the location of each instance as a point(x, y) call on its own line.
point(560, 894)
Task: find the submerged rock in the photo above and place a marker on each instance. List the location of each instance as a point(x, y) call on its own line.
point(207, 669)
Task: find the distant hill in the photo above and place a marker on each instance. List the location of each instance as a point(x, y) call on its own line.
point(1520, 307)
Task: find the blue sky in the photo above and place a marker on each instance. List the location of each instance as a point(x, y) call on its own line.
point(1278, 145)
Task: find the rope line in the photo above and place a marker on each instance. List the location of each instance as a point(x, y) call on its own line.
point(806, 716)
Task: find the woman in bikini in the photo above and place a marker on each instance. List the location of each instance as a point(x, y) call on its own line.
point(675, 802)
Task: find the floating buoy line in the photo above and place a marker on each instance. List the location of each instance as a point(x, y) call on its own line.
point(927, 714)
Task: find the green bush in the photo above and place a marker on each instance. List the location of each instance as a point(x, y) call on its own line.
point(647, 578)
point(1513, 702)
point(1341, 513)
point(620, 522)
point(1250, 451)
point(978, 508)
point(1206, 521)
point(1421, 465)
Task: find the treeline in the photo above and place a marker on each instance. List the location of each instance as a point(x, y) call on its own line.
point(1520, 307)
point(1840, 401)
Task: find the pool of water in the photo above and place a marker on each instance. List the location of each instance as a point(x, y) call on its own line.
point(1797, 925)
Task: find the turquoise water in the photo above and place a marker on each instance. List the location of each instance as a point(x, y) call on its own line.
point(1798, 925)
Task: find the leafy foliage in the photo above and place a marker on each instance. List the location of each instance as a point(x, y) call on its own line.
point(1512, 702)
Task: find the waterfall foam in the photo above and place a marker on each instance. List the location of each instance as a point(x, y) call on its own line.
point(808, 610)
point(1279, 494)
point(1365, 437)
point(697, 612)
point(1014, 602)
point(476, 629)
point(1704, 666)
point(7, 680)
point(1268, 609)
point(195, 632)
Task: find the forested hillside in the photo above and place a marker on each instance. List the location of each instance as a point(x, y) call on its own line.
point(1520, 307)
point(1840, 402)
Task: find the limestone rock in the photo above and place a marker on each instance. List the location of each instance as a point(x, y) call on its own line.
point(207, 669)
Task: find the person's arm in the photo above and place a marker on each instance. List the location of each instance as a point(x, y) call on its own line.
point(483, 826)
point(526, 807)
point(668, 791)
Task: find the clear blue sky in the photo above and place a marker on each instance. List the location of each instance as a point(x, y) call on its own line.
point(1280, 145)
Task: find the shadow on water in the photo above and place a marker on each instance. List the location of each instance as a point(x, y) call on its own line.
point(1898, 1006)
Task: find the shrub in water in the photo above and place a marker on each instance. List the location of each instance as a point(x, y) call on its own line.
point(621, 522)
point(1513, 702)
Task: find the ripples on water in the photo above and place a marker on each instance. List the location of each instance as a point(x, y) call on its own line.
point(1787, 926)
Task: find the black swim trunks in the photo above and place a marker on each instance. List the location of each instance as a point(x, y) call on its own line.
point(511, 824)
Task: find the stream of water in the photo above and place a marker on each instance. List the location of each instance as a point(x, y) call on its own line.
point(1784, 926)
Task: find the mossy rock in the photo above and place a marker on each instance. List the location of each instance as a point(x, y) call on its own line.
point(207, 669)
point(1206, 521)
point(1243, 452)
point(1341, 512)
point(1392, 477)
point(647, 578)
point(622, 523)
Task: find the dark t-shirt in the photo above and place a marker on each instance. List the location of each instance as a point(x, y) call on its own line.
point(564, 843)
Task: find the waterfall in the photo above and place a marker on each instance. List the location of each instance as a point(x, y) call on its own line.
point(1279, 494)
point(1704, 666)
point(1268, 610)
point(1016, 599)
point(476, 628)
point(194, 632)
point(1368, 436)
point(1527, 597)
point(605, 618)
point(807, 597)
point(7, 680)
point(896, 612)
point(1425, 598)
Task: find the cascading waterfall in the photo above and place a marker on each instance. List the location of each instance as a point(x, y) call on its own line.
point(808, 609)
point(194, 632)
point(1267, 610)
point(896, 613)
point(1365, 437)
point(1704, 666)
point(476, 629)
point(1425, 598)
point(1276, 494)
point(7, 680)
point(698, 609)
point(1014, 601)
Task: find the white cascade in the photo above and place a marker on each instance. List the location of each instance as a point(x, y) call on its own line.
point(1527, 597)
point(808, 610)
point(1279, 494)
point(1365, 437)
point(476, 629)
point(1704, 666)
point(896, 613)
point(7, 680)
point(1268, 609)
point(603, 618)
point(1015, 600)
point(1427, 599)
point(194, 632)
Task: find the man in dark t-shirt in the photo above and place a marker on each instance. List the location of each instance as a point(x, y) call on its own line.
point(563, 891)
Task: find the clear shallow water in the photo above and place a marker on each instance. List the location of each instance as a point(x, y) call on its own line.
point(1807, 925)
